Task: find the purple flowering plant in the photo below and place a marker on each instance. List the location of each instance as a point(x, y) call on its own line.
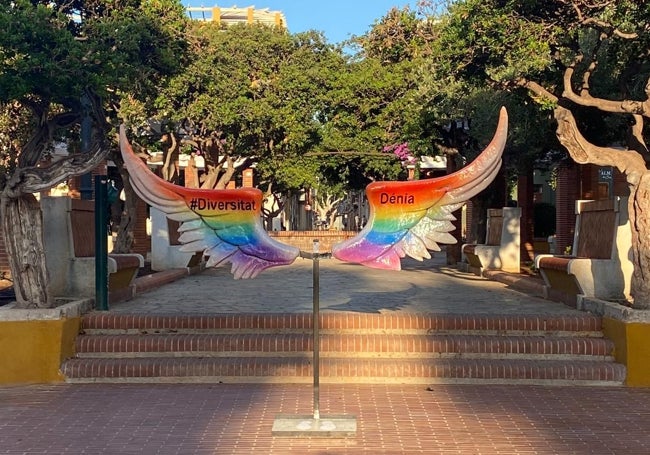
point(402, 152)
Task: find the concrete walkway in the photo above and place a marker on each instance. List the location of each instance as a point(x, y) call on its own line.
point(420, 287)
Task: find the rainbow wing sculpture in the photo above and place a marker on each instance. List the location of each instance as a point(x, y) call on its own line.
point(225, 225)
point(410, 218)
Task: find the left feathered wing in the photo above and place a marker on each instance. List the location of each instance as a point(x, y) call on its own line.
point(410, 218)
point(224, 224)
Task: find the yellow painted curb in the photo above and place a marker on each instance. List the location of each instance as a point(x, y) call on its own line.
point(632, 349)
point(629, 329)
point(33, 343)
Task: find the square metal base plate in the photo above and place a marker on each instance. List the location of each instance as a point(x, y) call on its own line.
point(306, 426)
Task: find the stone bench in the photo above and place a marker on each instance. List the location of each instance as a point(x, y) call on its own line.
point(600, 266)
point(501, 248)
point(69, 229)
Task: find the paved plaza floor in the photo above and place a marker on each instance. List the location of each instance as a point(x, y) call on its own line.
point(420, 287)
point(187, 419)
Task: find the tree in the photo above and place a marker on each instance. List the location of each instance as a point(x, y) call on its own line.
point(372, 101)
point(250, 95)
point(578, 60)
point(156, 50)
point(61, 59)
point(243, 97)
point(398, 36)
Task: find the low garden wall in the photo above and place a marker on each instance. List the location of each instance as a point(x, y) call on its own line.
point(304, 240)
point(629, 329)
point(33, 343)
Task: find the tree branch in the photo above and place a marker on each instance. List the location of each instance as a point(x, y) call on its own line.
point(35, 179)
point(604, 26)
point(636, 141)
point(169, 167)
point(32, 152)
point(613, 106)
point(582, 151)
point(537, 89)
point(600, 24)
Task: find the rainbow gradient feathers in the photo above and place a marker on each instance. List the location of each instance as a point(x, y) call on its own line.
point(406, 218)
point(411, 218)
point(225, 225)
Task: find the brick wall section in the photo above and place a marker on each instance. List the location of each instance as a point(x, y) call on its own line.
point(247, 178)
point(75, 183)
point(525, 190)
point(589, 180)
point(621, 187)
point(141, 241)
point(469, 219)
point(565, 196)
point(305, 239)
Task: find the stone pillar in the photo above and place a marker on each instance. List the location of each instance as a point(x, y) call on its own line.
point(411, 173)
point(165, 248)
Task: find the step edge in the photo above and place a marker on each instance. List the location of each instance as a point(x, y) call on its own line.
point(396, 356)
point(344, 380)
point(418, 332)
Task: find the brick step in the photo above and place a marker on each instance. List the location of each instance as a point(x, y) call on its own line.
point(347, 370)
point(346, 345)
point(355, 347)
point(582, 324)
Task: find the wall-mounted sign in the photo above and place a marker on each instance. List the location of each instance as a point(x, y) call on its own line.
point(605, 174)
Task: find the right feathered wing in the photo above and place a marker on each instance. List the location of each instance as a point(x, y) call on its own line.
point(410, 218)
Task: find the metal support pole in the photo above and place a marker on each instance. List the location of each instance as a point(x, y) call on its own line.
point(316, 301)
point(326, 426)
point(101, 245)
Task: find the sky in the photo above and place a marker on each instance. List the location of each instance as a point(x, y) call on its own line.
point(338, 19)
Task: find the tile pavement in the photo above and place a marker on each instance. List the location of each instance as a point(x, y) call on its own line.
point(187, 419)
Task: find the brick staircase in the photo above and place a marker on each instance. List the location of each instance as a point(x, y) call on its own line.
point(354, 347)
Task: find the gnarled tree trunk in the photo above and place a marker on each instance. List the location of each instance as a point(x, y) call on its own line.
point(639, 210)
point(126, 231)
point(22, 223)
point(20, 212)
point(632, 164)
